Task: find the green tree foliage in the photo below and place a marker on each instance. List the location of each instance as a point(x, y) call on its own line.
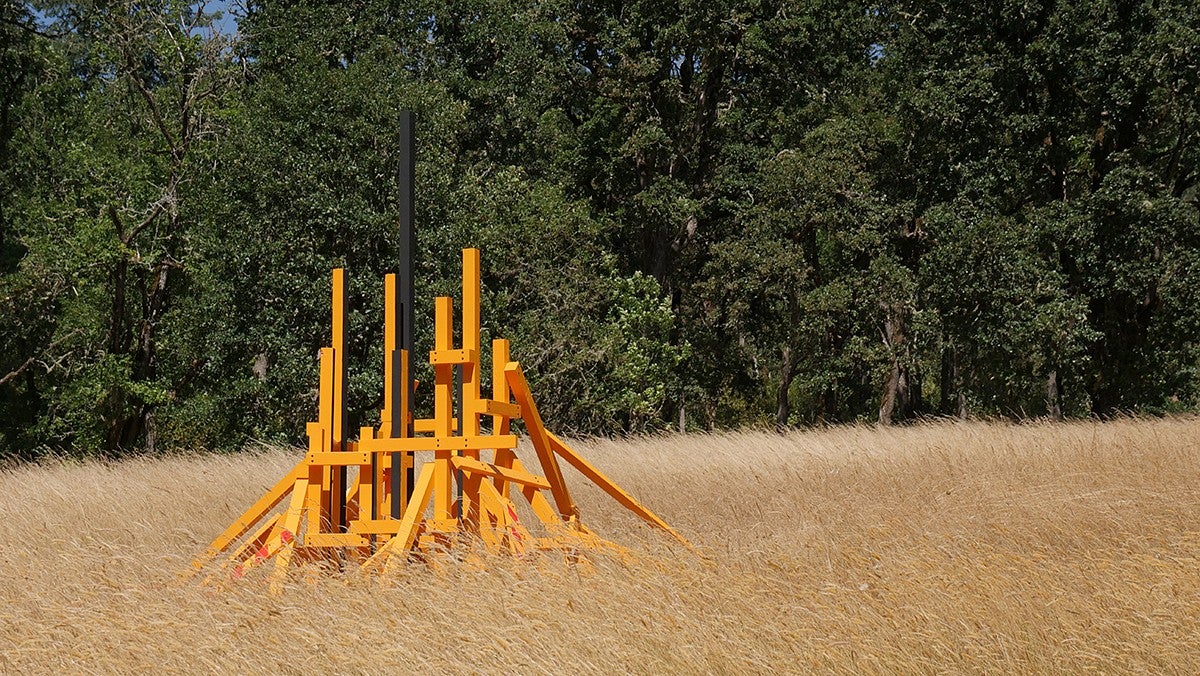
point(694, 215)
point(110, 143)
point(1066, 127)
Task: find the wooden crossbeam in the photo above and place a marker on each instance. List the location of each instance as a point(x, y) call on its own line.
point(374, 526)
point(515, 476)
point(500, 408)
point(338, 458)
point(438, 443)
point(453, 357)
point(427, 425)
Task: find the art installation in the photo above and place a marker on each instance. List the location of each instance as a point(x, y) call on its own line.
point(363, 500)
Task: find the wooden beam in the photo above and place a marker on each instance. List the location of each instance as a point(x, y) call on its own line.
point(406, 532)
point(390, 418)
point(334, 540)
point(427, 425)
point(253, 544)
point(288, 532)
point(595, 476)
point(437, 444)
point(500, 408)
point(256, 512)
point(515, 533)
point(472, 378)
point(500, 393)
point(341, 458)
point(453, 357)
point(541, 442)
point(374, 526)
point(516, 476)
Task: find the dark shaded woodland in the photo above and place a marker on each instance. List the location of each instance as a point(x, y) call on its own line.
point(695, 215)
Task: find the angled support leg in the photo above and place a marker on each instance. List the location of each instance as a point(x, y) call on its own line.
point(286, 542)
point(595, 476)
point(504, 515)
point(397, 548)
point(252, 515)
point(541, 441)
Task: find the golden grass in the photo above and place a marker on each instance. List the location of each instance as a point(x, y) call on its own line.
point(943, 547)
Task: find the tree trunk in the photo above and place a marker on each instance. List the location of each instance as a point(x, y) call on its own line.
point(128, 430)
point(945, 400)
point(783, 404)
point(826, 404)
point(896, 386)
point(1054, 396)
point(895, 393)
point(953, 400)
point(916, 402)
point(682, 415)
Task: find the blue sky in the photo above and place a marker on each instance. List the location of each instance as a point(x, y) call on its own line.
point(227, 24)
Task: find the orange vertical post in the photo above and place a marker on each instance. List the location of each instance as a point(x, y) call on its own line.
point(318, 477)
point(471, 341)
point(443, 392)
point(337, 483)
point(391, 421)
point(500, 390)
point(471, 375)
point(501, 424)
point(325, 399)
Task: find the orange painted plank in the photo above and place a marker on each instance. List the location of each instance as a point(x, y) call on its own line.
point(341, 458)
point(427, 425)
point(595, 476)
point(500, 393)
point(256, 511)
point(438, 443)
point(406, 532)
point(500, 408)
point(451, 357)
point(374, 526)
point(541, 442)
point(516, 476)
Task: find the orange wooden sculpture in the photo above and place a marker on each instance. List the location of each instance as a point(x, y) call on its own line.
point(351, 500)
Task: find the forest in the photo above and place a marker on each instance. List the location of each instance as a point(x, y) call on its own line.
point(693, 215)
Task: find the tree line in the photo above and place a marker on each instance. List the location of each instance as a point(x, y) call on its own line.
point(693, 215)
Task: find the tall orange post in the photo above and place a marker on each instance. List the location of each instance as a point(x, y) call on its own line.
point(337, 483)
point(394, 416)
point(443, 404)
point(501, 423)
point(471, 376)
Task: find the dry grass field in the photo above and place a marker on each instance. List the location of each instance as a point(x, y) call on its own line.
point(973, 547)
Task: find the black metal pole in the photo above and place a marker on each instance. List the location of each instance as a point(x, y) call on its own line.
point(458, 415)
point(404, 304)
point(338, 491)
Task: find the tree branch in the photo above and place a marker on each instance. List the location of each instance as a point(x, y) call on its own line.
point(29, 362)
